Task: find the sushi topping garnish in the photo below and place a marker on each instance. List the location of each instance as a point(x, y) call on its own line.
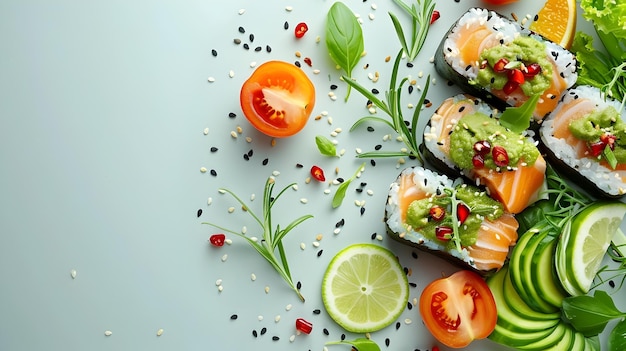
point(437, 213)
point(516, 71)
point(482, 147)
point(444, 233)
point(500, 156)
point(462, 212)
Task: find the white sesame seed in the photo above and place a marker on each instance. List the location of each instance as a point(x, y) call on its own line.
point(260, 318)
point(267, 289)
point(108, 333)
point(326, 191)
point(220, 288)
point(304, 200)
point(275, 173)
point(408, 321)
point(233, 134)
point(209, 201)
point(221, 191)
point(379, 237)
point(374, 6)
point(288, 8)
point(302, 246)
point(224, 257)
point(277, 318)
point(292, 338)
point(337, 231)
point(203, 169)
point(315, 244)
point(231, 209)
point(316, 71)
point(288, 307)
point(244, 229)
point(211, 79)
point(358, 150)
point(241, 11)
point(371, 16)
point(370, 192)
point(252, 276)
point(206, 131)
point(218, 282)
point(231, 73)
point(253, 64)
point(254, 238)
point(73, 274)
point(159, 332)
point(228, 241)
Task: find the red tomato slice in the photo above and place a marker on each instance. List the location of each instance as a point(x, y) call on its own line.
point(458, 309)
point(277, 99)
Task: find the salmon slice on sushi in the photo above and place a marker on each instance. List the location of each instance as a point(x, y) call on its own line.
point(464, 137)
point(585, 138)
point(494, 58)
point(457, 221)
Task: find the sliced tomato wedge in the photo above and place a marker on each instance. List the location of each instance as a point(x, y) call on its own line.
point(459, 309)
point(278, 99)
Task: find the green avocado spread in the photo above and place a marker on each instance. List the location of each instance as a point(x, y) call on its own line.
point(481, 206)
point(522, 50)
point(476, 127)
point(606, 121)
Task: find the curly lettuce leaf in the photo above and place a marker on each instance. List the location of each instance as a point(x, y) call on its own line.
point(609, 20)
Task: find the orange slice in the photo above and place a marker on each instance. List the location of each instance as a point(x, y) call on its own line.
point(556, 21)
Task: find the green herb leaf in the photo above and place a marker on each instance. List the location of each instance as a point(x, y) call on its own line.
point(590, 314)
point(361, 344)
point(517, 119)
point(344, 38)
point(609, 156)
point(340, 194)
point(420, 25)
point(325, 146)
point(617, 338)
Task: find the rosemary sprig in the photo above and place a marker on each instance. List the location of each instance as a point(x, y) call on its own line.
point(272, 237)
point(420, 25)
point(393, 108)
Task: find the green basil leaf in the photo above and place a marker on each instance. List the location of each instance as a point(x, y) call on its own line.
point(325, 146)
point(340, 194)
point(361, 344)
point(517, 119)
point(617, 338)
point(590, 314)
point(344, 37)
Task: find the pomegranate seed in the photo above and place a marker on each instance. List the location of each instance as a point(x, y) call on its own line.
point(443, 233)
point(437, 213)
point(308, 61)
point(482, 147)
point(462, 212)
point(318, 173)
point(304, 326)
point(516, 75)
point(597, 148)
point(510, 87)
point(435, 16)
point(217, 240)
point(478, 161)
point(498, 67)
point(532, 70)
point(301, 29)
point(500, 156)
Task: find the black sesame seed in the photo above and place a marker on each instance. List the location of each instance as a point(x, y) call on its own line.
point(363, 184)
point(263, 330)
point(333, 86)
point(611, 283)
point(326, 331)
point(246, 157)
point(373, 162)
point(461, 108)
point(286, 25)
point(317, 311)
point(299, 285)
point(413, 285)
point(297, 63)
point(214, 52)
point(536, 17)
point(199, 212)
point(254, 333)
point(319, 253)
point(370, 129)
point(387, 342)
point(246, 46)
point(299, 165)
point(251, 37)
point(414, 254)
point(468, 67)
point(258, 49)
point(409, 64)
point(373, 236)
point(214, 149)
point(250, 153)
point(242, 30)
point(358, 190)
point(343, 336)
point(268, 48)
point(275, 338)
point(375, 91)
point(362, 210)
point(213, 172)
point(340, 180)
point(406, 270)
point(232, 115)
point(378, 147)
point(411, 89)
point(409, 305)
point(265, 162)
point(233, 317)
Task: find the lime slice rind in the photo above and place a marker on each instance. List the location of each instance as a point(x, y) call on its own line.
point(372, 295)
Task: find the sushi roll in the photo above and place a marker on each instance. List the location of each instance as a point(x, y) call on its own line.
point(464, 137)
point(494, 58)
point(454, 220)
point(585, 138)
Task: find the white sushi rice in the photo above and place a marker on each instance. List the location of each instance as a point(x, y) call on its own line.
point(428, 182)
point(606, 179)
point(504, 32)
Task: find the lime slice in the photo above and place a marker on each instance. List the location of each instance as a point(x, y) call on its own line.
point(580, 252)
point(364, 288)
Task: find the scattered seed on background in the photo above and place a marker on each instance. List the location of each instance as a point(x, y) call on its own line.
point(199, 213)
point(108, 333)
point(214, 52)
point(277, 318)
point(253, 277)
point(233, 316)
point(373, 236)
point(409, 306)
point(387, 342)
point(326, 332)
point(241, 30)
point(73, 273)
point(263, 331)
point(286, 25)
point(254, 333)
point(398, 324)
point(213, 172)
point(319, 253)
point(317, 311)
point(299, 285)
point(275, 338)
point(203, 169)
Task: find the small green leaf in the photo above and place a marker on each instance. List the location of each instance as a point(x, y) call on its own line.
point(590, 314)
point(340, 194)
point(325, 146)
point(609, 156)
point(361, 344)
point(517, 119)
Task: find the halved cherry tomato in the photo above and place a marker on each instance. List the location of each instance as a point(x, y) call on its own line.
point(277, 99)
point(458, 309)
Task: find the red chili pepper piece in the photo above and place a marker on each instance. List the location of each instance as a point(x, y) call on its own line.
point(435, 16)
point(308, 61)
point(318, 173)
point(301, 29)
point(462, 212)
point(516, 75)
point(597, 148)
point(443, 233)
point(478, 161)
point(437, 213)
point(217, 239)
point(304, 326)
point(532, 70)
point(482, 147)
point(499, 66)
point(500, 156)
point(608, 139)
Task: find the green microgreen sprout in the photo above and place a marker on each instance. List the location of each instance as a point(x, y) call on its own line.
point(340, 194)
point(272, 239)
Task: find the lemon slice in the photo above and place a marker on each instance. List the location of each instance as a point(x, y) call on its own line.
point(581, 249)
point(364, 288)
